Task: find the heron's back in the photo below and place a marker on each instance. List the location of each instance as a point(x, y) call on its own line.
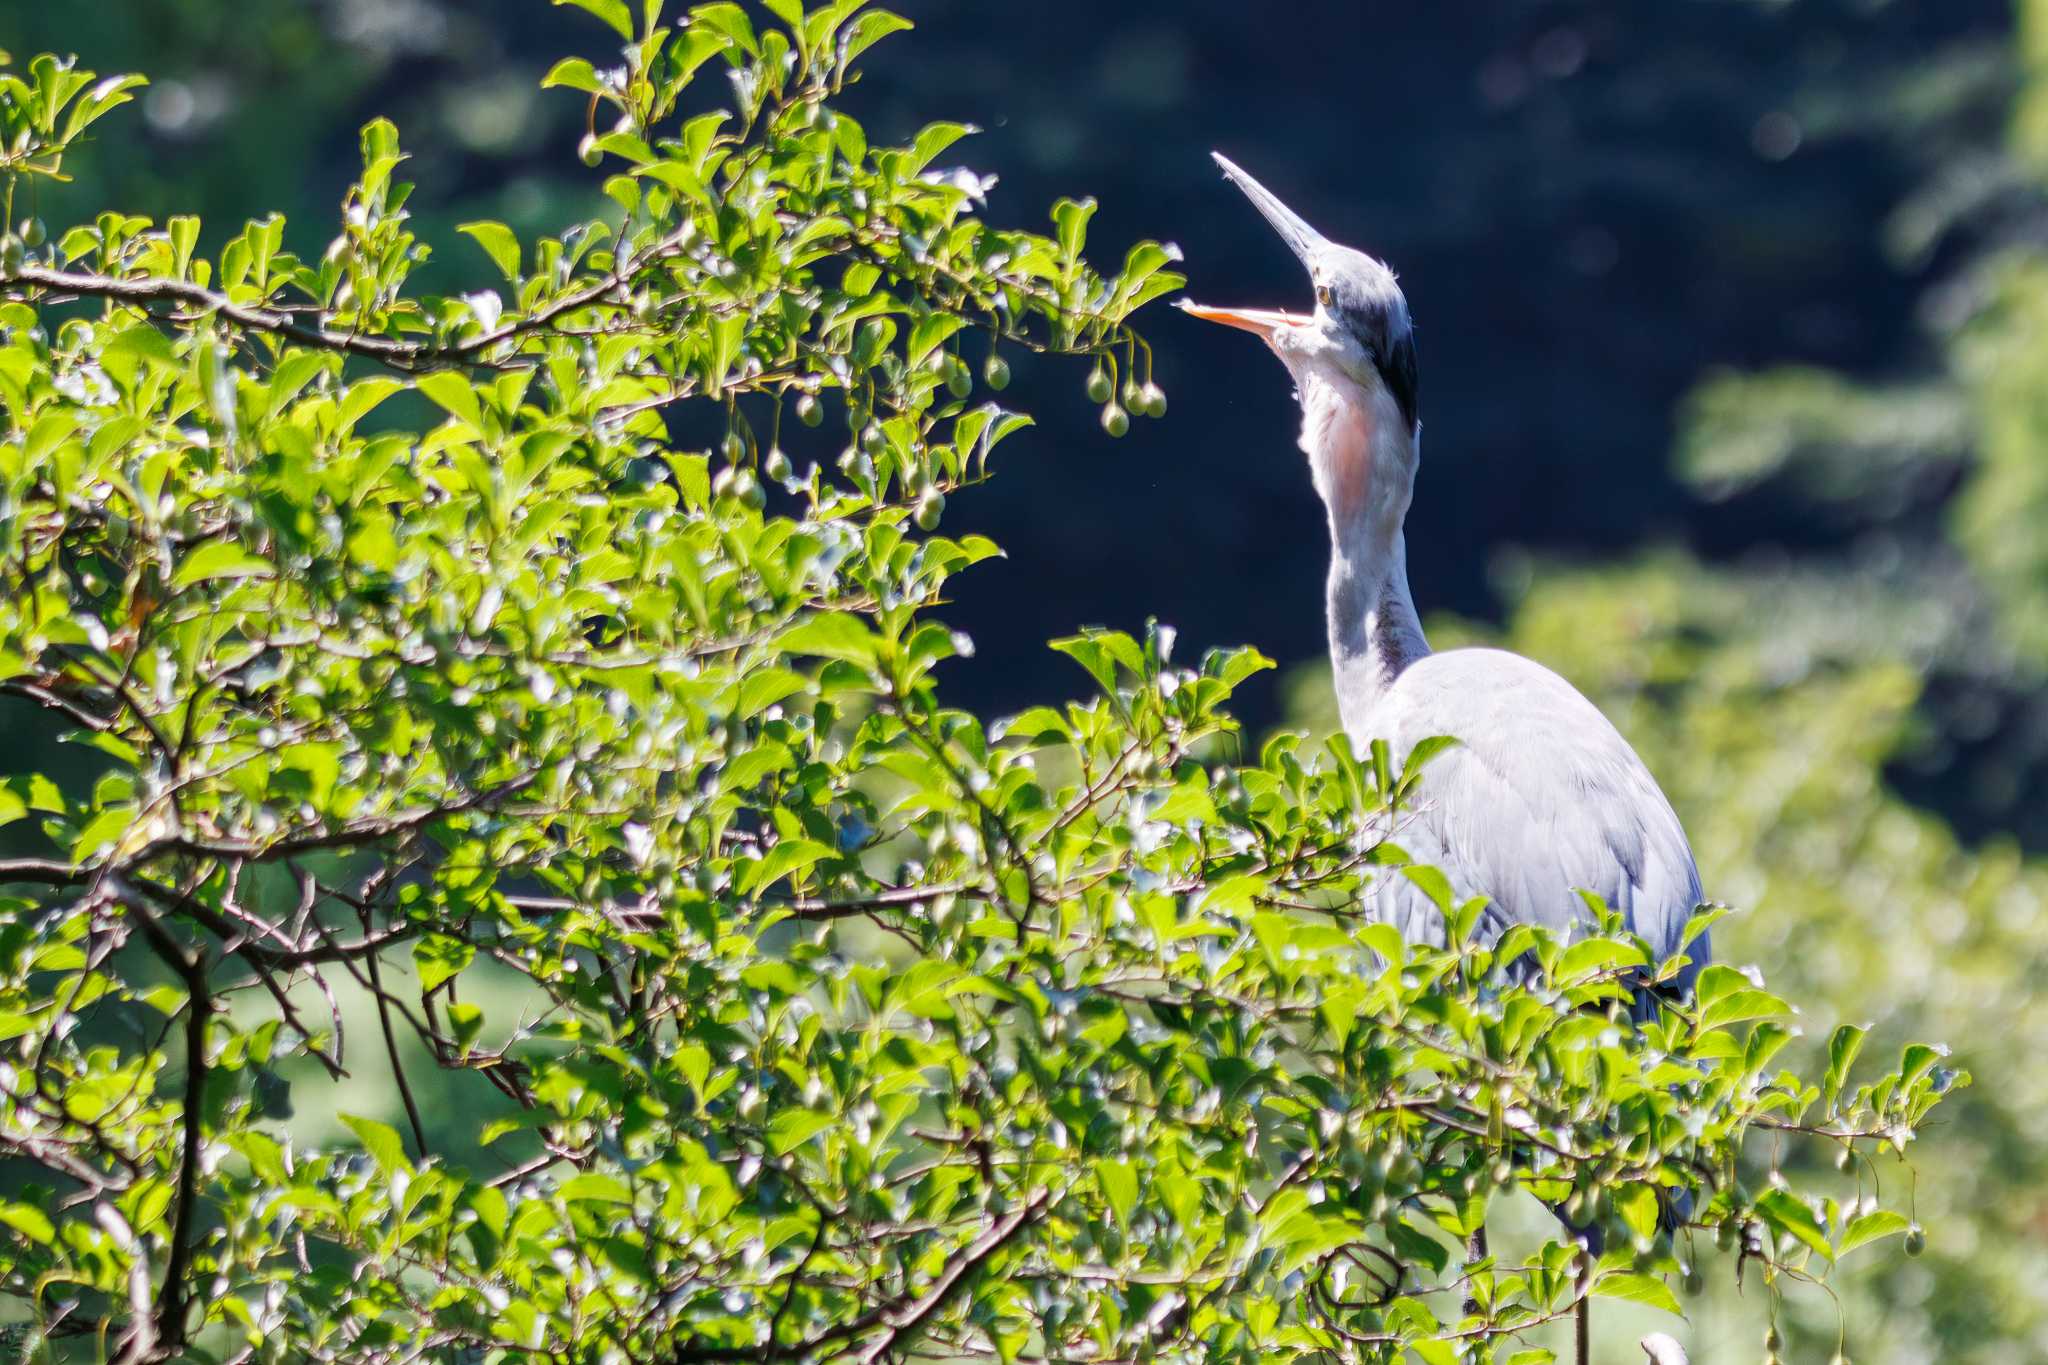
point(1542, 797)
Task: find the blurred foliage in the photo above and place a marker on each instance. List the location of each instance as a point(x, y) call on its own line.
point(610, 777)
point(2001, 366)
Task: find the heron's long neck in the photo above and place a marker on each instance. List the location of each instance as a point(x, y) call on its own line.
point(1363, 460)
point(1374, 631)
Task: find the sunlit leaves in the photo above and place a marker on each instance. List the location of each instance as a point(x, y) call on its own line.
point(498, 241)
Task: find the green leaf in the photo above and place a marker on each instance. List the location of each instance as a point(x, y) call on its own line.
point(497, 240)
point(30, 1221)
point(438, 957)
point(1643, 1289)
point(1593, 956)
point(792, 1128)
point(766, 687)
point(1787, 1212)
point(1433, 882)
point(1739, 1006)
point(108, 94)
point(452, 390)
point(866, 31)
point(25, 792)
point(1070, 220)
point(1039, 725)
point(1843, 1045)
point(613, 12)
point(1871, 1227)
point(135, 349)
point(1119, 1181)
point(1091, 655)
point(788, 856)
point(929, 333)
point(730, 22)
point(381, 1141)
point(219, 559)
point(933, 142)
point(1420, 755)
point(573, 73)
point(595, 1187)
point(834, 635)
point(364, 396)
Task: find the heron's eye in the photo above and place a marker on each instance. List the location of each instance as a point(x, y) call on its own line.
point(1323, 295)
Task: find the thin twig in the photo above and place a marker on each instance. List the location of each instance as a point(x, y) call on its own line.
point(412, 1108)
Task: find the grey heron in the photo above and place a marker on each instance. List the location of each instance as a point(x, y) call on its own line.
point(1541, 798)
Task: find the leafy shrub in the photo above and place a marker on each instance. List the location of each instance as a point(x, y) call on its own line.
point(738, 998)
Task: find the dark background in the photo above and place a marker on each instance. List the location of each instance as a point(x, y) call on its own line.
point(1589, 205)
point(1586, 207)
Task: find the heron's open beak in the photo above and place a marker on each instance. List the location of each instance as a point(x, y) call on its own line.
point(1260, 322)
point(1303, 240)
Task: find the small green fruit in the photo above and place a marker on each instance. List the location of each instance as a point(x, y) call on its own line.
point(10, 253)
point(959, 383)
point(1115, 420)
point(1154, 399)
point(809, 410)
point(996, 373)
point(588, 151)
point(930, 508)
point(1772, 1341)
point(1099, 386)
point(734, 447)
point(33, 233)
point(775, 465)
point(1916, 1240)
point(872, 440)
point(1133, 397)
point(741, 486)
point(1695, 1280)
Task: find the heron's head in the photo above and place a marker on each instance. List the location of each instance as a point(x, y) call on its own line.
point(1359, 331)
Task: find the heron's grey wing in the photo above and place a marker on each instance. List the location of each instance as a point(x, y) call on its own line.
point(1541, 797)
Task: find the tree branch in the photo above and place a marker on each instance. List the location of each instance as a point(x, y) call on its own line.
point(191, 968)
point(897, 1316)
point(400, 355)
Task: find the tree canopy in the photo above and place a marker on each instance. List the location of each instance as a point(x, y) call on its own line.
point(518, 689)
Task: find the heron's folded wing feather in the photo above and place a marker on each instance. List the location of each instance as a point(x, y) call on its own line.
point(1541, 798)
